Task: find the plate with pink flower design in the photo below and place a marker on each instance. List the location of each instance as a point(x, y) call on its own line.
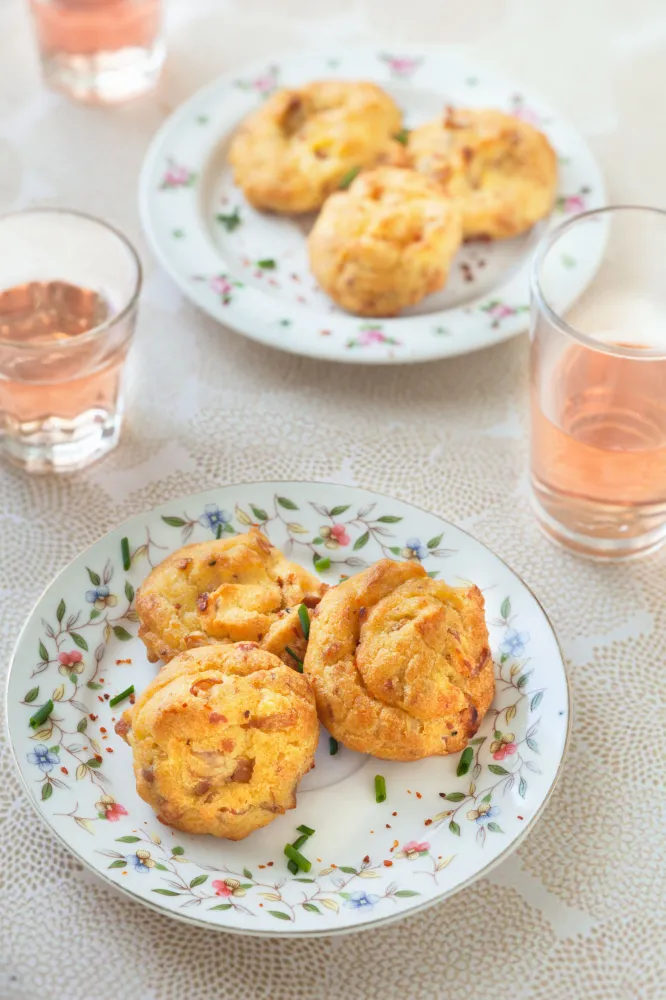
point(445, 820)
point(249, 269)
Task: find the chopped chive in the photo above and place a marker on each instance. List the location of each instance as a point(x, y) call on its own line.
point(299, 663)
point(299, 841)
point(121, 697)
point(305, 619)
point(230, 222)
point(322, 564)
point(268, 264)
point(41, 715)
point(218, 530)
point(307, 830)
point(380, 788)
point(124, 548)
point(348, 178)
point(333, 746)
point(297, 858)
point(402, 136)
point(293, 867)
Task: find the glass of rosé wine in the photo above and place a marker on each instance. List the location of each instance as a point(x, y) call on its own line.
point(598, 386)
point(69, 287)
point(100, 51)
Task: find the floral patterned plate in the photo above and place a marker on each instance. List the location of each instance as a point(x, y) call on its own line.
point(445, 821)
point(250, 270)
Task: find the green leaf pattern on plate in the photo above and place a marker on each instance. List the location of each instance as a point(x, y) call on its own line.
point(485, 771)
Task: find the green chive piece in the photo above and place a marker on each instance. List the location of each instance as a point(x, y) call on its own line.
point(333, 746)
point(230, 222)
point(124, 548)
point(293, 867)
point(322, 564)
point(218, 531)
point(307, 830)
point(268, 264)
point(402, 136)
point(348, 178)
point(298, 843)
point(41, 715)
point(305, 619)
point(297, 858)
point(380, 788)
point(121, 697)
point(299, 663)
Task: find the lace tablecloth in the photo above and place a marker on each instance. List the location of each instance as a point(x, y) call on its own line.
point(578, 911)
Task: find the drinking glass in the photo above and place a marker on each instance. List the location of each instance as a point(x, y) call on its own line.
point(69, 286)
point(100, 51)
point(598, 385)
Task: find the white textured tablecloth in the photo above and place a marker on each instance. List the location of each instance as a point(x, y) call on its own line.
point(578, 913)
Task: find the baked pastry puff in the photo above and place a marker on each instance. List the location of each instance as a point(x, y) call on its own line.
point(400, 663)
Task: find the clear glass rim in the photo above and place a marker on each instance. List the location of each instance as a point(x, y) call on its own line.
point(97, 331)
point(544, 247)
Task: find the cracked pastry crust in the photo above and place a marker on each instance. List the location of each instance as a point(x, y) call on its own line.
point(291, 153)
point(385, 243)
point(233, 589)
point(221, 738)
point(499, 169)
point(400, 663)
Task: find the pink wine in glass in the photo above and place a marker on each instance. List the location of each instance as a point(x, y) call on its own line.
point(599, 444)
point(101, 51)
point(68, 302)
point(598, 382)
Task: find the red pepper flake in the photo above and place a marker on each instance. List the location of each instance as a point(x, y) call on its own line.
point(269, 864)
point(261, 904)
point(409, 791)
point(394, 814)
point(366, 859)
point(132, 699)
point(334, 866)
point(109, 749)
point(98, 757)
point(101, 680)
point(427, 822)
point(64, 770)
point(102, 729)
point(318, 861)
point(418, 795)
point(387, 864)
point(519, 817)
point(262, 866)
point(105, 737)
point(106, 697)
point(93, 718)
point(395, 844)
point(118, 662)
point(123, 873)
point(99, 698)
point(113, 718)
point(388, 826)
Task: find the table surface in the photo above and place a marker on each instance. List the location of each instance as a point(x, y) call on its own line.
point(578, 911)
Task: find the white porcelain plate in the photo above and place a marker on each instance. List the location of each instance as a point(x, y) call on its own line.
point(445, 821)
point(250, 270)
